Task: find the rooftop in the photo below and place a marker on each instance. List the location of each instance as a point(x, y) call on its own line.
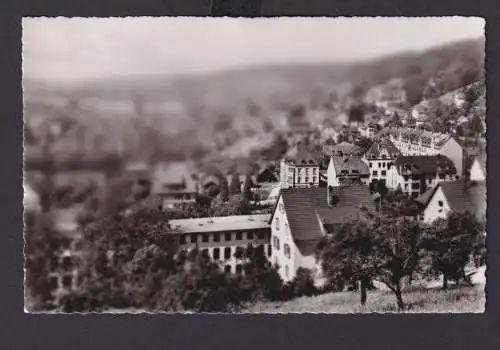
point(379, 146)
point(221, 223)
point(299, 155)
point(307, 207)
point(345, 148)
point(426, 164)
point(461, 196)
point(173, 174)
point(350, 164)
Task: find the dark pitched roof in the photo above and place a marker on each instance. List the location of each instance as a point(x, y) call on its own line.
point(426, 164)
point(350, 164)
point(378, 146)
point(465, 196)
point(461, 196)
point(330, 142)
point(345, 148)
point(425, 197)
point(176, 173)
point(299, 155)
point(307, 207)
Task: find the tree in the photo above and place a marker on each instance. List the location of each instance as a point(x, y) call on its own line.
point(384, 249)
point(223, 188)
point(234, 186)
point(42, 245)
point(261, 280)
point(124, 256)
point(247, 188)
point(399, 241)
point(356, 114)
point(236, 205)
point(303, 283)
point(476, 126)
point(348, 256)
point(450, 243)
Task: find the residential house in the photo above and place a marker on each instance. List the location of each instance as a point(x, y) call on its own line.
point(221, 237)
point(31, 199)
point(139, 174)
point(300, 170)
point(302, 216)
point(298, 122)
point(416, 174)
point(328, 146)
point(346, 170)
point(368, 130)
point(456, 196)
point(174, 184)
point(345, 148)
point(331, 133)
point(421, 142)
point(477, 171)
point(380, 157)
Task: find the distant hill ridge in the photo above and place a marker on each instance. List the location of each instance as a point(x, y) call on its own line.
point(261, 81)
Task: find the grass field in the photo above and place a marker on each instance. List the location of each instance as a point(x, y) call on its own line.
point(417, 300)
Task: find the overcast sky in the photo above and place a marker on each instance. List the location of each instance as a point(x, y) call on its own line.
point(62, 49)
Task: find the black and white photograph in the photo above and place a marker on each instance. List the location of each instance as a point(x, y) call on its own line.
point(254, 165)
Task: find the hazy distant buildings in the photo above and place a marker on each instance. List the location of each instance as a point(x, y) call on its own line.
point(174, 184)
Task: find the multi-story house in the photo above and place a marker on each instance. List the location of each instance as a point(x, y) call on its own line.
point(299, 170)
point(174, 184)
point(380, 157)
point(416, 174)
point(456, 196)
point(221, 237)
point(347, 170)
point(302, 216)
point(419, 142)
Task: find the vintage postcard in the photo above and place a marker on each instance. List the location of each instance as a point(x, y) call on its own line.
point(265, 165)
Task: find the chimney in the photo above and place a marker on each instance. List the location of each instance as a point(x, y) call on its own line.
point(332, 195)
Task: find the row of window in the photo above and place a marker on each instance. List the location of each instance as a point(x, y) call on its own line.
point(216, 237)
point(306, 170)
point(381, 164)
point(382, 173)
point(306, 179)
point(227, 252)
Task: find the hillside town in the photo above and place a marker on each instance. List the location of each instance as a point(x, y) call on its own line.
point(355, 191)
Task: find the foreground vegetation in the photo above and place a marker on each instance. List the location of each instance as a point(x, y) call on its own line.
point(462, 299)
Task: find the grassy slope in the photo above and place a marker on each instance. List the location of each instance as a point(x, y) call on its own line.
point(458, 300)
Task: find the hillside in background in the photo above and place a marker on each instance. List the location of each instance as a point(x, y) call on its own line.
point(159, 117)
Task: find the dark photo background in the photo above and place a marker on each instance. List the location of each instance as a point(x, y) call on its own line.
point(20, 331)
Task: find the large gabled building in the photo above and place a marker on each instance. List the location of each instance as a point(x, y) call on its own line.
point(424, 143)
point(302, 216)
point(347, 170)
point(416, 174)
point(381, 155)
